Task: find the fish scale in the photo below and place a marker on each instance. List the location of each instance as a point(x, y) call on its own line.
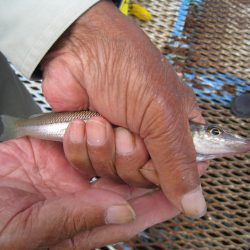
point(210, 141)
point(57, 117)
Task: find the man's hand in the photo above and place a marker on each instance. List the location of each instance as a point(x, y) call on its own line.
point(45, 203)
point(104, 62)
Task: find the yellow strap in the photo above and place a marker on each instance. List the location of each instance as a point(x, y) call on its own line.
point(124, 7)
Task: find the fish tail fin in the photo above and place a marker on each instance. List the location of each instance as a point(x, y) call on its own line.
point(7, 127)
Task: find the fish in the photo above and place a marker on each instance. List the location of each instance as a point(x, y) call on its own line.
point(210, 141)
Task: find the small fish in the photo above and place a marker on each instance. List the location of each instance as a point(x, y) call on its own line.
point(210, 141)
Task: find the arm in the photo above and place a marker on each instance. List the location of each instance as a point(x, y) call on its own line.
point(29, 28)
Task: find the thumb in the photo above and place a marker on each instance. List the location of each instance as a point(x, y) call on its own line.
point(174, 158)
point(167, 136)
point(61, 89)
point(49, 222)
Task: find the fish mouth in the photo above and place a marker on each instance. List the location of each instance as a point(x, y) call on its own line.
point(241, 147)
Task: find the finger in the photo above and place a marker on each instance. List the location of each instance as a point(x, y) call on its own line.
point(75, 148)
point(131, 155)
point(52, 221)
point(61, 88)
point(196, 116)
point(150, 173)
point(101, 146)
point(124, 190)
point(150, 210)
point(202, 167)
point(169, 142)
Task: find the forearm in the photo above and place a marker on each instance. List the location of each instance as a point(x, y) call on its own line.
point(29, 28)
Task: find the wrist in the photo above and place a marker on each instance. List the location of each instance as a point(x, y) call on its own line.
point(105, 19)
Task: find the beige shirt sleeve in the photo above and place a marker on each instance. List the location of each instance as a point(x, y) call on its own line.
point(28, 28)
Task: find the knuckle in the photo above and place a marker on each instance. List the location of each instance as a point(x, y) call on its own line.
point(80, 222)
point(133, 176)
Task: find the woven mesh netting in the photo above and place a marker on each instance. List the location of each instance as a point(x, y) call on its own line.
point(208, 42)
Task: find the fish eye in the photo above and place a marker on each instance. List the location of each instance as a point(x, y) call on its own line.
point(215, 131)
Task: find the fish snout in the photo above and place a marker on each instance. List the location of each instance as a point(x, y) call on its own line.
point(242, 147)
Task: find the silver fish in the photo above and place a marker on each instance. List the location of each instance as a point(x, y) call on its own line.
point(210, 141)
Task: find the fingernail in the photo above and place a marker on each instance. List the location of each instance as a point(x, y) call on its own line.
point(124, 141)
point(96, 133)
point(194, 204)
point(120, 214)
point(76, 132)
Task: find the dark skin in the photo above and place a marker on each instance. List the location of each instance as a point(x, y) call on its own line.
point(104, 62)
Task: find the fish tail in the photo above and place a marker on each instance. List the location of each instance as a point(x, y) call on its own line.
point(7, 127)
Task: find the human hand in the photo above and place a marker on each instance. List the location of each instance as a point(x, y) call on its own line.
point(105, 63)
point(45, 203)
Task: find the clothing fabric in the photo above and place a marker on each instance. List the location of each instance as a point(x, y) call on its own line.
point(15, 100)
point(28, 28)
